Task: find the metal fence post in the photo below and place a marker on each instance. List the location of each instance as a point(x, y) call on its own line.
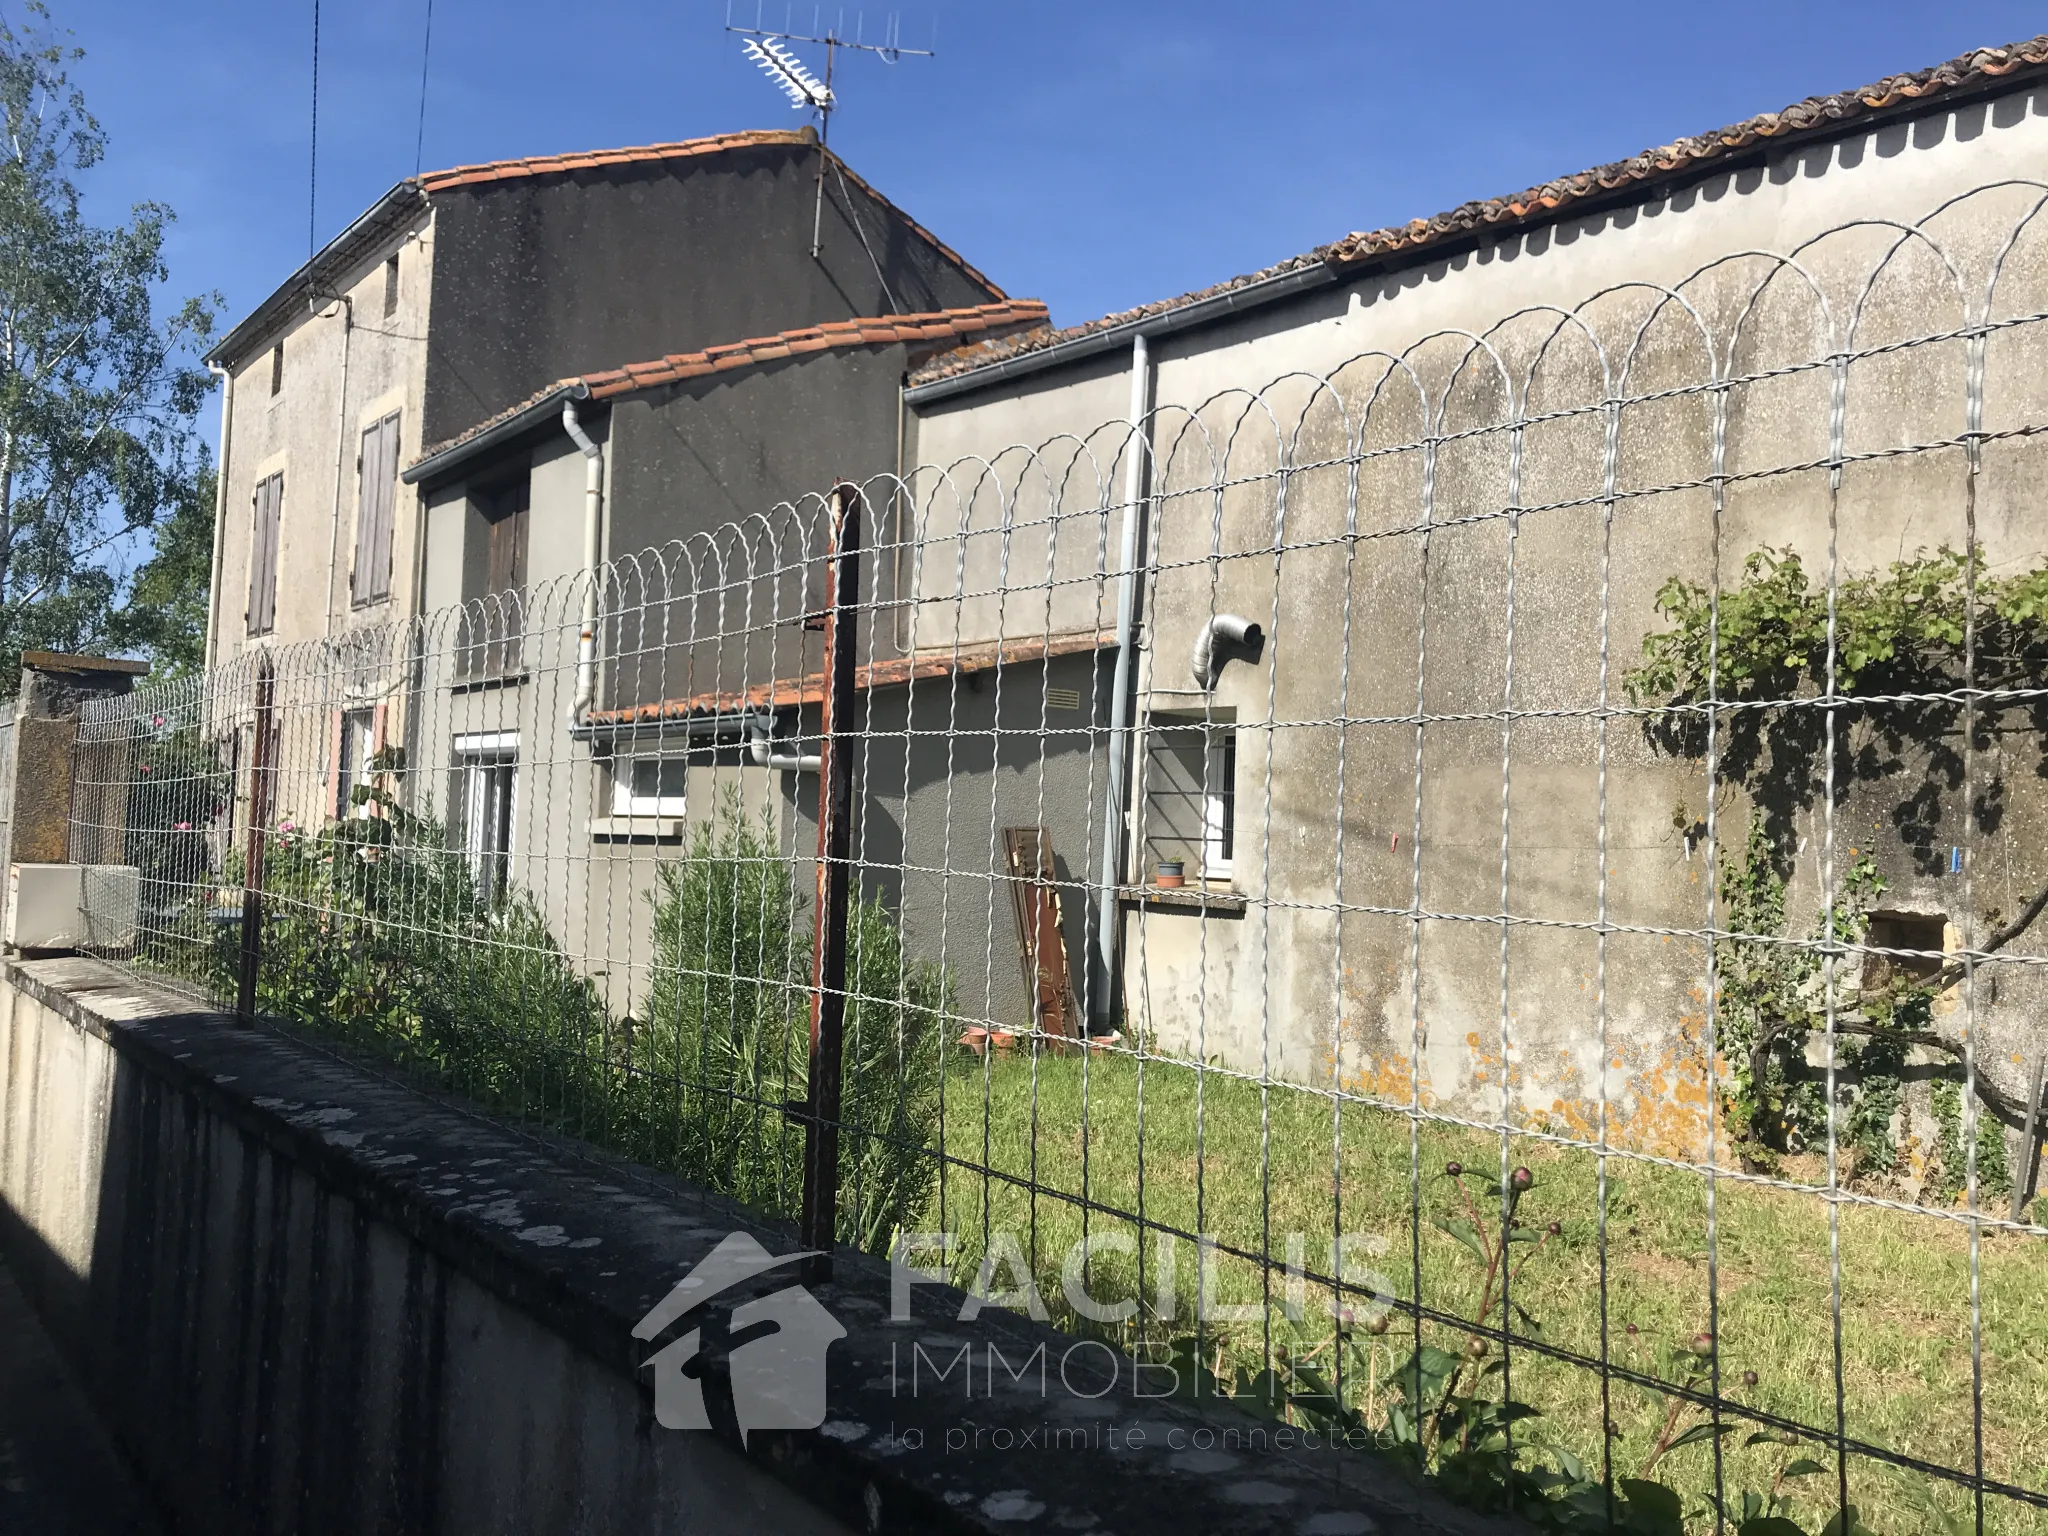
point(828, 953)
point(259, 827)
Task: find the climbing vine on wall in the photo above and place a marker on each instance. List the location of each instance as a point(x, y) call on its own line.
point(1930, 625)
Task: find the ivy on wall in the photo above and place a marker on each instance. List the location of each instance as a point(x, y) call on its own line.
point(1936, 624)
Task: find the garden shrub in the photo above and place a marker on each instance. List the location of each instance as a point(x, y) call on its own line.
point(725, 1042)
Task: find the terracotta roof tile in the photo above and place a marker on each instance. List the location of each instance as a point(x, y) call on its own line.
point(939, 326)
point(786, 692)
point(943, 325)
point(544, 165)
point(1817, 114)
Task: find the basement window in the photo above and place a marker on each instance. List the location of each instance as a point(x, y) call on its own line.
point(1921, 932)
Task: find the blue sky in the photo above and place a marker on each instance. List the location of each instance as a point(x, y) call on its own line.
point(1093, 155)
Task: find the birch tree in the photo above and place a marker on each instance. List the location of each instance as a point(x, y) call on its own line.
point(98, 391)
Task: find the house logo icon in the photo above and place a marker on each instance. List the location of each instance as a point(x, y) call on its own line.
point(778, 1344)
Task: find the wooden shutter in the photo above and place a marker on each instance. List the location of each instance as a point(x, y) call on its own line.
point(507, 580)
point(263, 545)
point(371, 582)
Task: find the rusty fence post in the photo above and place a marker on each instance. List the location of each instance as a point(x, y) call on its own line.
point(835, 830)
point(259, 830)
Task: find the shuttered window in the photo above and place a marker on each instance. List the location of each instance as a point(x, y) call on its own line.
point(376, 504)
point(494, 620)
point(263, 555)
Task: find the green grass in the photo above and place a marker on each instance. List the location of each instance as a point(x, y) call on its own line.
point(1218, 1157)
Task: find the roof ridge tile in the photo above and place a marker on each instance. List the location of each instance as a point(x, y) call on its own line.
point(1650, 165)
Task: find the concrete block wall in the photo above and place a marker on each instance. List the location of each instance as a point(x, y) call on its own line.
point(306, 1298)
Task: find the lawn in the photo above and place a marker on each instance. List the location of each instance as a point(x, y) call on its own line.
point(1219, 1156)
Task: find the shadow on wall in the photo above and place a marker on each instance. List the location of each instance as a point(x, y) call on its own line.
point(253, 1344)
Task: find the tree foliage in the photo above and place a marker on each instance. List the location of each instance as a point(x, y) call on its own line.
point(98, 391)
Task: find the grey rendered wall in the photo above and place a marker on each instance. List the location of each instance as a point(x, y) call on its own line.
point(942, 768)
point(726, 448)
point(274, 1352)
point(542, 278)
point(1339, 1002)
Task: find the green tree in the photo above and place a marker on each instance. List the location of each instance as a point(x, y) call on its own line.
point(98, 392)
point(165, 617)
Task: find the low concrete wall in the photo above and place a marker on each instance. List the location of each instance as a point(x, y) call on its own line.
point(307, 1299)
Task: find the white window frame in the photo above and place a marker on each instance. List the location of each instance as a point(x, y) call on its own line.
point(358, 728)
point(626, 803)
point(477, 756)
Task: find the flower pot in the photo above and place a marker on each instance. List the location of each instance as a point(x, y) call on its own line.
point(1170, 874)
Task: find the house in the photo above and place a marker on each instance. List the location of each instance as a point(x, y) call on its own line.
point(393, 433)
point(430, 319)
point(1402, 510)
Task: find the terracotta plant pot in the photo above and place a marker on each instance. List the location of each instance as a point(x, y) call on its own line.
point(1170, 874)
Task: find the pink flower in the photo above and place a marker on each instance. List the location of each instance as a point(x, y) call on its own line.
point(159, 720)
point(287, 826)
point(183, 826)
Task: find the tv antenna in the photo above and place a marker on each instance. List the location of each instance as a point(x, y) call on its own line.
point(768, 48)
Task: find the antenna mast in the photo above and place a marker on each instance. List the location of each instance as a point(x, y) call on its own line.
point(766, 47)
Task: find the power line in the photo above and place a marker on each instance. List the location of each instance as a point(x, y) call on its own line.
point(426, 52)
point(313, 165)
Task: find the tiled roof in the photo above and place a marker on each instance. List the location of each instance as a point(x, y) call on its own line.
point(598, 159)
point(409, 198)
point(1815, 113)
point(928, 330)
point(786, 692)
point(1810, 118)
point(684, 149)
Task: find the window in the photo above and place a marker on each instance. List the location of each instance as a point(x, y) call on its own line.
point(269, 504)
point(391, 284)
point(355, 748)
point(484, 796)
point(650, 786)
point(497, 585)
point(377, 472)
point(277, 368)
point(1190, 804)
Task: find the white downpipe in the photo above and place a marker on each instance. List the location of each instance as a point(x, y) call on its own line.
point(220, 500)
point(1120, 696)
point(348, 328)
point(1231, 630)
point(760, 747)
point(593, 535)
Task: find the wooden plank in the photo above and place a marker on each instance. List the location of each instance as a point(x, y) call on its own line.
point(1041, 934)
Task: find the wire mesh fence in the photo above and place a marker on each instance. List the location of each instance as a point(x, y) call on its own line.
point(1488, 894)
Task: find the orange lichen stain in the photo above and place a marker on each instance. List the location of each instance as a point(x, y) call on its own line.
point(1388, 1079)
point(1668, 1106)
